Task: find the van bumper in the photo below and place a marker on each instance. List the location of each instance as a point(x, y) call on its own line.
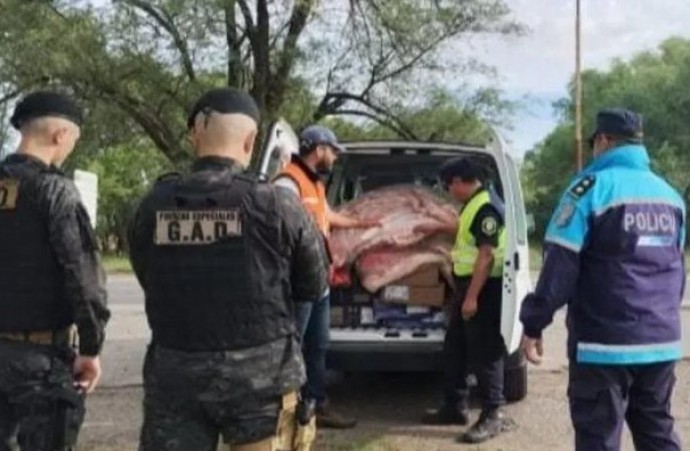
point(394, 357)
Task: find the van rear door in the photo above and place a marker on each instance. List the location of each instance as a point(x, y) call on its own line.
point(281, 140)
point(516, 277)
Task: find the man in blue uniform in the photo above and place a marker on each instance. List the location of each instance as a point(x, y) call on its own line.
point(614, 253)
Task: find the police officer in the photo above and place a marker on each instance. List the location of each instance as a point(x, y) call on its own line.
point(614, 253)
point(220, 256)
point(50, 280)
point(474, 329)
point(318, 150)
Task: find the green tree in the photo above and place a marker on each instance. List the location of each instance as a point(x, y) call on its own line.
point(442, 118)
point(652, 83)
point(149, 59)
point(124, 174)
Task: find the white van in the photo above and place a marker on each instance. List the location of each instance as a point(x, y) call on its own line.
point(370, 347)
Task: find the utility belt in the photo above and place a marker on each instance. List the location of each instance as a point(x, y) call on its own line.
point(66, 337)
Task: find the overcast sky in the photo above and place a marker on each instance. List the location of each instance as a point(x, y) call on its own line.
point(541, 64)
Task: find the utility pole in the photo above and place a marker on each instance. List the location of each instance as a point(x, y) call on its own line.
point(578, 90)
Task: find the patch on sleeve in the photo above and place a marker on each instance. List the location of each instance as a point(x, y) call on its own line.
point(9, 190)
point(566, 212)
point(197, 227)
point(169, 176)
point(489, 226)
point(582, 187)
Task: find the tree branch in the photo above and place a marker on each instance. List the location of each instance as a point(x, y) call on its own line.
point(403, 132)
point(415, 59)
point(160, 133)
point(261, 52)
point(333, 102)
point(298, 20)
point(164, 19)
point(247, 14)
point(11, 95)
point(234, 45)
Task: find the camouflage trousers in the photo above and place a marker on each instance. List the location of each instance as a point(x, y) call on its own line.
point(192, 400)
point(40, 410)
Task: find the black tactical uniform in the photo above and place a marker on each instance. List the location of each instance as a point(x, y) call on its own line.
point(220, 255)
point(50, 279)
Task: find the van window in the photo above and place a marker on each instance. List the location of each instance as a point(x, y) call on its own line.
point(520, 217)
point(356, 174)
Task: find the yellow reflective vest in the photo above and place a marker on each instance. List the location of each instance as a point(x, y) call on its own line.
point(465, 250)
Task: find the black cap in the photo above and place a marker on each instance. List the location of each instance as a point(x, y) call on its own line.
point(225, 101)
point(618, 122)
point(464, 168)
point(46, 103)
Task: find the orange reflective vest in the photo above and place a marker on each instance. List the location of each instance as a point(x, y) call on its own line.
point(313, 194)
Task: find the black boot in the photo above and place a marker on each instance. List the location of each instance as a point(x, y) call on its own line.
point(448, 415)
point(490, 424)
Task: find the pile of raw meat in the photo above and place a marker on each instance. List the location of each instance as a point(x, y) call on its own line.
point(381, 255)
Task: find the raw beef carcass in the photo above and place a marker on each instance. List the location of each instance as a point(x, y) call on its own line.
point(393, 250)
point(379, 267)
point(399, 209)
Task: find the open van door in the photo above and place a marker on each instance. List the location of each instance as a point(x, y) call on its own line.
point(87, 185)
point(516, 276)
point(279, 144)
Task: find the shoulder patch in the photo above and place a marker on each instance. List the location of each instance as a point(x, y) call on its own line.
point(168, 176)
point(9, 190)
point(489, 225)
point(566, 211)
point(582, 187)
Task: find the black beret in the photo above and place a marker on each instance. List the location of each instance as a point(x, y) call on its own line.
point(46, 103)
point(225, 101)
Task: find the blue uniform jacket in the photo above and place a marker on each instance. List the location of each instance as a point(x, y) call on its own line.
point(614, 254)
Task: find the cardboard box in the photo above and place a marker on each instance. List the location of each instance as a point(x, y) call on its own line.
point(433, 296)
point(427, 276)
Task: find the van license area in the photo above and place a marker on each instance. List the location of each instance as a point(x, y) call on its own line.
point(196, 227)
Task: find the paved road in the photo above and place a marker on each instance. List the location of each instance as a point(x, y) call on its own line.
point(128, 334)
point(388, 405)
point(124, 289)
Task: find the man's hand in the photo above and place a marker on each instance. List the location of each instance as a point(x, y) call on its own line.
point(533, 349)
point(87, 372)
point(367, 223)
point(469, 308)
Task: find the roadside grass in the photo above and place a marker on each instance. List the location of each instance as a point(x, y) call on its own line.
point(116, 264)
point(119, 264)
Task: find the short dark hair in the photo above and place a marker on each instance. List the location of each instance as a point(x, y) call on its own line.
point(306, 149)
point(618, 140)
point(464, 168)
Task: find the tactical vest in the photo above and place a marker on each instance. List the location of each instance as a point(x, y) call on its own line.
point(30, 276)
point(312, 193)
point(465, 251)
point(209, 286)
